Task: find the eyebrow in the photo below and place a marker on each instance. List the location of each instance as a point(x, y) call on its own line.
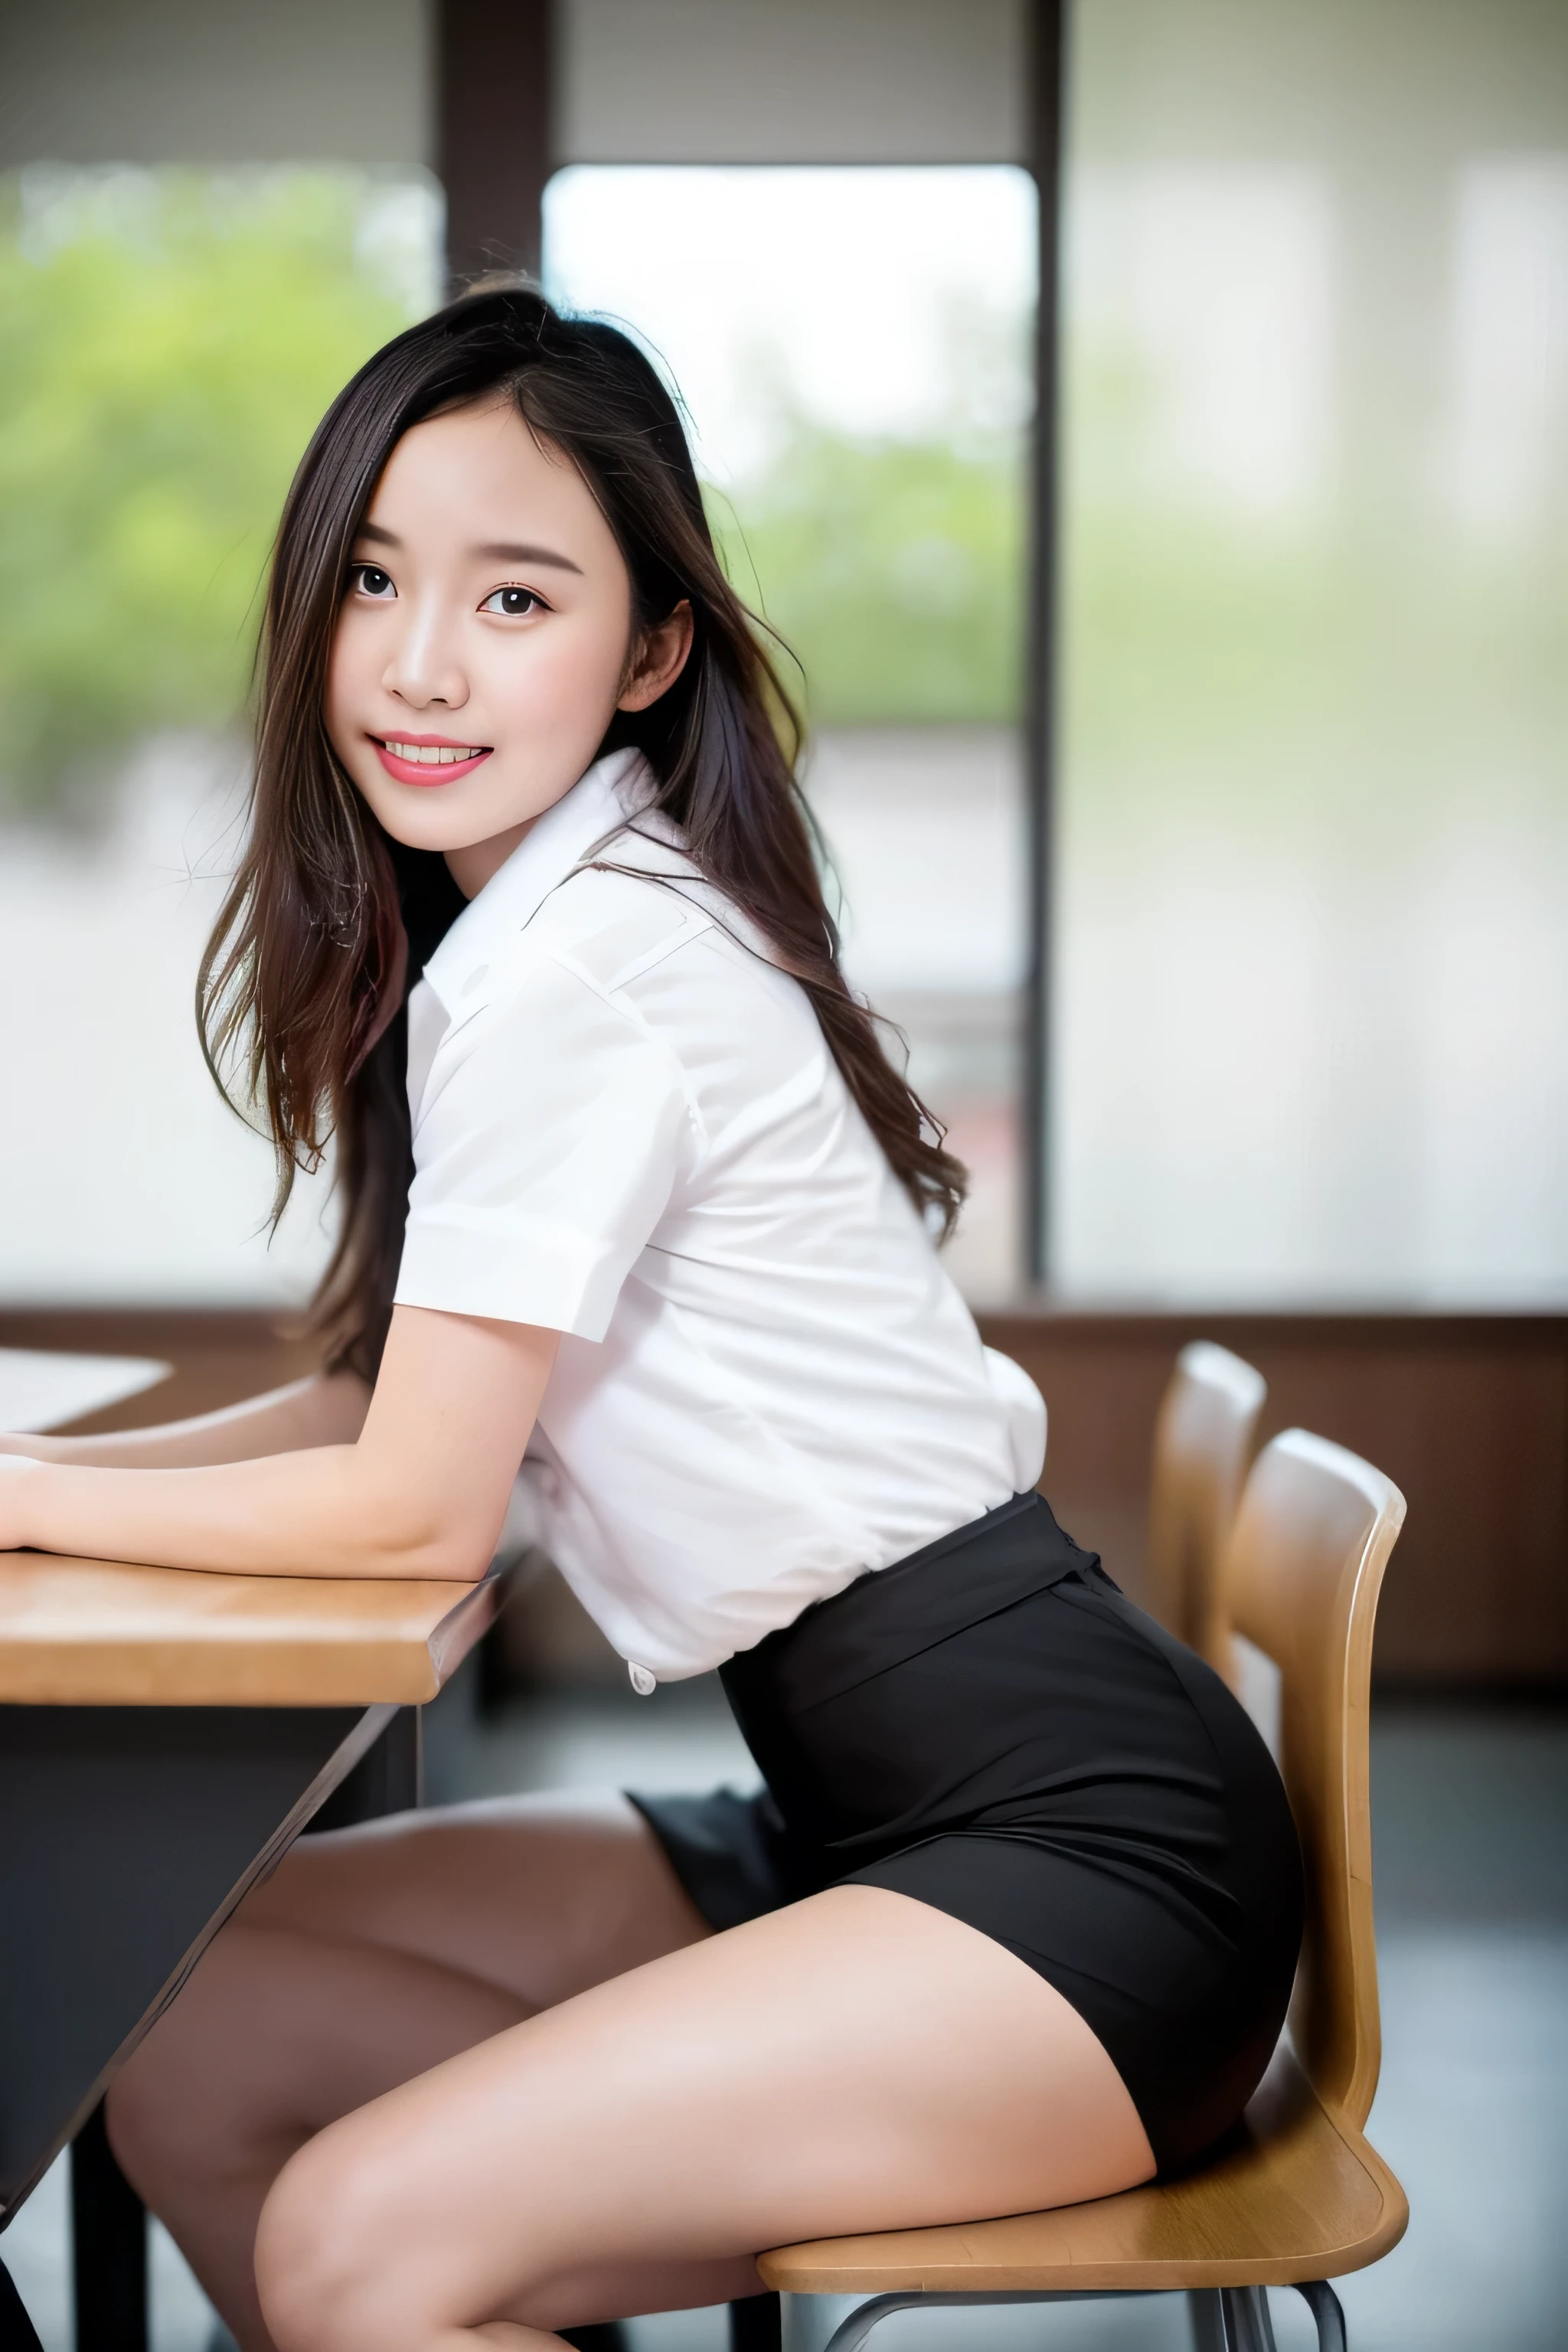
point(497, 550)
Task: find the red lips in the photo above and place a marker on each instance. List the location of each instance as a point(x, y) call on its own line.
point(428, 771)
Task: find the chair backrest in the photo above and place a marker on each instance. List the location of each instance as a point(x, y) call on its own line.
point(1301, 1575)
point(1203, 1443)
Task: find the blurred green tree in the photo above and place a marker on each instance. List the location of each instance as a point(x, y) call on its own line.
point(893, 571)
point(167, 342)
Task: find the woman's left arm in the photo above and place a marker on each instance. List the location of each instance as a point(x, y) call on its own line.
point(422, 1492)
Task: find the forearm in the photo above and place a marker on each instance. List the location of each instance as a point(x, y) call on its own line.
point(327, 1408)
point(331, 1511)
point(419, 1491)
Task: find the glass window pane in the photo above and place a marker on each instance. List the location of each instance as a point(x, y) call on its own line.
point(171, 339)
point(853, 346)
point(1313, 912)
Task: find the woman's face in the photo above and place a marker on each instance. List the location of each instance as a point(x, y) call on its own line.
point(485, 639)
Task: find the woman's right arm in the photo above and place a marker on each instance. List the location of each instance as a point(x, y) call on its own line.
point(327, 1408)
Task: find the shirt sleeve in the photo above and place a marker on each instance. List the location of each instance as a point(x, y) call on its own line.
point(548, 1138)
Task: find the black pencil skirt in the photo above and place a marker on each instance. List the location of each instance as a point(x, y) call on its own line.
point(991, 1727)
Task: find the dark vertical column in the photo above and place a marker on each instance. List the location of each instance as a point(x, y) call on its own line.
point(494, 88)
point(1046, 76)
point(109, 2247)
point(756, 2324)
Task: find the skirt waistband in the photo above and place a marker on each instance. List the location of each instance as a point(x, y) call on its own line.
point(891, 1614)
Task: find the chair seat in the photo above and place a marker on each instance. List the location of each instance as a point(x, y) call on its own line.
point(1296, 2195)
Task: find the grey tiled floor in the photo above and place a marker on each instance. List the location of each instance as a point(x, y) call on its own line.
point(1471, 1855)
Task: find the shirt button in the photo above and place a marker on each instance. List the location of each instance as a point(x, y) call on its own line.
point(643, 1683)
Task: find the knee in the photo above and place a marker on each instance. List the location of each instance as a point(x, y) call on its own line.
point(332, 2248)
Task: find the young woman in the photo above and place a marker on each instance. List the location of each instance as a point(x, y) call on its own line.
point(530, 920)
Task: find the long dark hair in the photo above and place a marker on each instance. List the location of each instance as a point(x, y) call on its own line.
point(327, 921)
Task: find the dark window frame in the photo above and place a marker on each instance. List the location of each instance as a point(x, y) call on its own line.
point(495, 73)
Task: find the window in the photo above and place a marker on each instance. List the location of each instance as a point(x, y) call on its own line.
point(1312, 914)
point(854, 346)
point(172, 338)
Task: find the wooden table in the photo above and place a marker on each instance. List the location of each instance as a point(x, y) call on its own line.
point(163, 1736)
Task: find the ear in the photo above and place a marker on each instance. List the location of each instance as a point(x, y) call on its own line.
point(657, 659)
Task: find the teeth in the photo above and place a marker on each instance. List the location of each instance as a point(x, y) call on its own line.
point(434, 755)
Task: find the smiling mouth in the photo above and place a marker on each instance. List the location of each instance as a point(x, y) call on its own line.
point(414, 762)
point(434, 755)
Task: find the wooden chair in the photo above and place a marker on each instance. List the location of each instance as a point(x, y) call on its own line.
point(1203, 1443)
point(1296, 2196)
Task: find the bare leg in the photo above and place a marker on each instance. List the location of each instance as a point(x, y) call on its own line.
point(858, 2062)
point(539, 1896)
point(372, 1955)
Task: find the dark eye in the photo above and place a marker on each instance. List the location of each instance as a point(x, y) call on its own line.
point(515, 603)
point(372, 581)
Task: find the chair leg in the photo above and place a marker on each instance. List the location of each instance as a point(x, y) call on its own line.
point(1230, 2319)
point(1249, 2327)
point(1206, 2319)
point(1326, 2310)
point(17, 2333)
point(808, 2323)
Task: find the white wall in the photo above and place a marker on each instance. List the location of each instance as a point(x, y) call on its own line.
point(214, 81)
point(691, 82)
point(791, 82)
point(122, 1176)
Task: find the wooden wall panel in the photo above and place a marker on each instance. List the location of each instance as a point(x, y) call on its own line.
point(1467, 1413)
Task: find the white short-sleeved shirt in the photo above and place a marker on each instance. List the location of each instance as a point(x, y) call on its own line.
point(628, 1128)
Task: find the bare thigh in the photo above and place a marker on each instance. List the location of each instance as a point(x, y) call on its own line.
point(370, 1956)
point(376, 1952)
point(537, 1896)
point(857, 2061)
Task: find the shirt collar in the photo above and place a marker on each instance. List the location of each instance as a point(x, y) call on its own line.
point(612, 793)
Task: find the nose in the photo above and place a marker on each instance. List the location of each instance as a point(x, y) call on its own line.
point(426, 668)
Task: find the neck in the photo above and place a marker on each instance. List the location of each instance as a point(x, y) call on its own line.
point(472, 866)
